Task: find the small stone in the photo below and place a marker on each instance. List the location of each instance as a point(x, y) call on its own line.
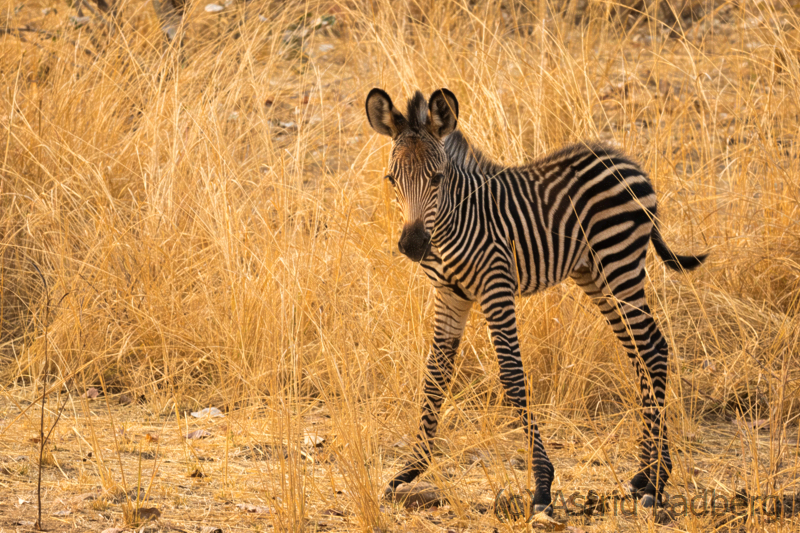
point(250, 508)
point(517, 463)
point(125, 399)
point(149, 513)
point(91, 393)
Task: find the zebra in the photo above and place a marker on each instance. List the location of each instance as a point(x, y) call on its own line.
point(487, 233)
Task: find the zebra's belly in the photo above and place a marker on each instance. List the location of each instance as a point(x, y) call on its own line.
point(537, 275)
point(532, 274)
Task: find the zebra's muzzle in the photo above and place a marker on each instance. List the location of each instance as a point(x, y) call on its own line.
point(414, 241)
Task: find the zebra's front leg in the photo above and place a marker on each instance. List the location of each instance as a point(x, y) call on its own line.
point(450, 318)
point(500, 314)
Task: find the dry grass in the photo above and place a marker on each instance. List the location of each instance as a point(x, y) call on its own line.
point(214, 231)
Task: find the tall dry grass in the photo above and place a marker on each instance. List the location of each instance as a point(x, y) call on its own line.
point(214, 229)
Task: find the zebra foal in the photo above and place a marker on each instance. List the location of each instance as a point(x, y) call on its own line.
point(486, 233)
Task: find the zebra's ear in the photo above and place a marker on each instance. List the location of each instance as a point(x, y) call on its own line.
point(383, 116)
point(443, 113)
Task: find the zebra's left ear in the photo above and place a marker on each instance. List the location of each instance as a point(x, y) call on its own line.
point(443, 113)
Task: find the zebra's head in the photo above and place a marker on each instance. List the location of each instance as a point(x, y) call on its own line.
point(418, 158)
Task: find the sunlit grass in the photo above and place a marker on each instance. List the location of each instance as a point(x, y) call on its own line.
point(214, 229)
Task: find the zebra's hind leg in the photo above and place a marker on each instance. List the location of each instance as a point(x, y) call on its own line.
point(628, 313)
point(450, 318)
point(498, 308)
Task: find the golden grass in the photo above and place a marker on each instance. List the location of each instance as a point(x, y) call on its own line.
point(214, 230)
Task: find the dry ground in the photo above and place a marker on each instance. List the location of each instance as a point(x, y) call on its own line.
point(238, 478)
point(202, 222)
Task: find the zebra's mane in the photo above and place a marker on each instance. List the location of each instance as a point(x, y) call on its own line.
point(465, 156)
point(417, 112)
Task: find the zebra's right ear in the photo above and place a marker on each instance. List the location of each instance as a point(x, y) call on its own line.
point(382, 115)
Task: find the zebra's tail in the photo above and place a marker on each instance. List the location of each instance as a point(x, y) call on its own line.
point(671, 259)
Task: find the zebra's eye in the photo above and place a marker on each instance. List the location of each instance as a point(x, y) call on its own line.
point(436, 179)
point(391, 179)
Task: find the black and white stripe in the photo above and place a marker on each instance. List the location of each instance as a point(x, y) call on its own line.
point(484, 233)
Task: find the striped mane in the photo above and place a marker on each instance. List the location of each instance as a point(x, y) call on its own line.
point(465, 156)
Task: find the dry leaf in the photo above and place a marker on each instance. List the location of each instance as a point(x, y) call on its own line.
point(753, 424)
point(210, 529)
point(64, 512)
point(91, 393)
point(314, 441)
point(544, 521)
point(150, 438)
point(197, 473)
point(208, 412)
point(113, 530)
point(198, 434)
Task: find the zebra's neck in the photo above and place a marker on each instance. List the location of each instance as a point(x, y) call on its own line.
point(468, 158)
point(458, 186)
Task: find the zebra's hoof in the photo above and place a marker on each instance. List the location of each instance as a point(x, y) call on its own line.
point(632, 491)
point(638, 486)
point(542, 508)
point(648, 501)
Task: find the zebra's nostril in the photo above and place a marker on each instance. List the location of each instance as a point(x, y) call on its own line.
point(401, 247)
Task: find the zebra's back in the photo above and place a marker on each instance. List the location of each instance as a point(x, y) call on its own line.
point(552, 214)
